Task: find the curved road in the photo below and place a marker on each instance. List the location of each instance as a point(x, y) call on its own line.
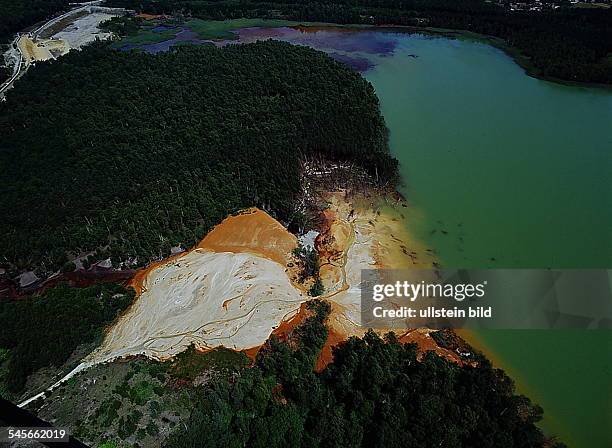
point(20, 66)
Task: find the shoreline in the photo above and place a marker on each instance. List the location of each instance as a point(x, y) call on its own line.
point(549, 424)
point(514, 53)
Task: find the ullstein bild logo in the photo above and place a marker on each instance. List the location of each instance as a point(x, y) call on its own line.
point(496, 298)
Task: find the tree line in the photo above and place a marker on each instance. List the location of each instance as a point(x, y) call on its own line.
point(375, 393)
point(41, 331)
point(129, 154)
point(572, 44)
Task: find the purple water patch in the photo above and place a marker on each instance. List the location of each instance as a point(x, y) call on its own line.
point(331, 39)
point(356, 63)
point(353, 47)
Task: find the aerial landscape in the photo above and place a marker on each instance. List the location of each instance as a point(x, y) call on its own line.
point(192, 191)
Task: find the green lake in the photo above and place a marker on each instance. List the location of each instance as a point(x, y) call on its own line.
point(517, 172)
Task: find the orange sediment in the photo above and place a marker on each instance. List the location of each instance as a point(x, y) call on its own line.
point(357, 232)
point(283, 331)
point(146, 16)
point(252, 352)
point(326, 356)
point(252, 231)
point(425, 343)
point(286, 327)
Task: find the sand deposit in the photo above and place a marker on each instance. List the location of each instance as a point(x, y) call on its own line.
point(361, 233)
point(205, 298)
point(85, 30)
point(232, 290)
point(252, 231)
point(235, 288)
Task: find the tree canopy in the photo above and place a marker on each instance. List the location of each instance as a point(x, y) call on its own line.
point(375, 393)
point(44, 330)
point(129, 154)
point(18, 14)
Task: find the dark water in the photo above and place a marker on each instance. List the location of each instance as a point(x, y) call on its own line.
point(356, 49)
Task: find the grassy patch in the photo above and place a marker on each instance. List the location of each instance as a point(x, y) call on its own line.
point(108, 445)
point(206, 29)
point(146, 36)
point(189, 364)
point(141, 393)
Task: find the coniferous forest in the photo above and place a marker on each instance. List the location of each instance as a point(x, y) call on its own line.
point(16, 15)
point(376, 393)
point(568, 43)
point(127, 154)
point(41, 331)
point(130, 154)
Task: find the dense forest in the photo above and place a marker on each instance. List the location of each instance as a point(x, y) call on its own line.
point(129, 154)
point(376, 393)
point(573, 44)
point(44, 330)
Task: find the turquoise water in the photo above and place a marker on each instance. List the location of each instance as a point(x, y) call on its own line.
point(501, 169)
point(518, 173)
point(516, 170)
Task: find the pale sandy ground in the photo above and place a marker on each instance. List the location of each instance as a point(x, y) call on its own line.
point(80, 32)
point(205, 298)
point(231, 290)
point(363, 234)
point(37, 51)
point(85, 30)
point(234, 289)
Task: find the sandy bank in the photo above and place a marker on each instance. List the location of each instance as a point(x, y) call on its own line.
point(365, 232)
point(361, 232)
point(205, 298)
point(235, 289)
point(232, 290)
